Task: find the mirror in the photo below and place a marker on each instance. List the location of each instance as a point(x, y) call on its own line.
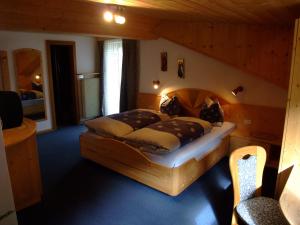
point(29, 78)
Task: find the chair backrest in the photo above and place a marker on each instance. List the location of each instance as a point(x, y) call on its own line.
point(246, 168)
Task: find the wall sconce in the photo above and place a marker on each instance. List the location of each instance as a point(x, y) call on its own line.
point(163, 98)
point(156, 84)
point(37, 77)
point(237, 90)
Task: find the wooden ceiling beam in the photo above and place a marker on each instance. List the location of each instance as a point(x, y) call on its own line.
point(71, 17)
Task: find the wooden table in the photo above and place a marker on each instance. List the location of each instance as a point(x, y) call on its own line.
point(23, 163)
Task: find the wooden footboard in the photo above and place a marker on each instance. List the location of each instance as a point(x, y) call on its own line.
point(130, 162)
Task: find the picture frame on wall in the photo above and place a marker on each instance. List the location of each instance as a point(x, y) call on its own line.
point(180, 68)
point(164, 61)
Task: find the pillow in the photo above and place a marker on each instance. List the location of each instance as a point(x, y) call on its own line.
point(37, 87)
point(38, 94)
point(171, 106)
point(27, 95)
point(212, 112)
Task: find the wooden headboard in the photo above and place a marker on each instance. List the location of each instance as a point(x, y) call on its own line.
point(264, 119)
point(190, 99)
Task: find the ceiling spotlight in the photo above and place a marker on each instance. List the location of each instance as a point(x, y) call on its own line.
point(120, 19)
point(108, 16)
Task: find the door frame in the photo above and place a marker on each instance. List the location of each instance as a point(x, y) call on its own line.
point(72, 44)
point(4, 71)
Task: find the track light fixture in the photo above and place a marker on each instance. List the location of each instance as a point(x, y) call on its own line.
point(108, 16)
point(116, 14)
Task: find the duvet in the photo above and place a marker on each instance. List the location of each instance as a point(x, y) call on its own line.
point(118, 125)
point(168, 135)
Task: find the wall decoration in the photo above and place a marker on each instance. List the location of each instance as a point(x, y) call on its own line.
point(180, 70)
point(164, 61)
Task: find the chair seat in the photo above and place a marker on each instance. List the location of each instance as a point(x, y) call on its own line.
point(261, 211)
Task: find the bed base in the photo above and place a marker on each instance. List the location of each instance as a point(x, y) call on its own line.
point(130, 162)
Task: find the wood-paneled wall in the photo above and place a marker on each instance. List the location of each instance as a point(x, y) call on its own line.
point(266, 122)
point(290, 153)
point(71, 17)
point(263, 51)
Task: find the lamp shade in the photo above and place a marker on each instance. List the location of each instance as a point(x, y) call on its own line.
point(237, 90)
point(156, 84)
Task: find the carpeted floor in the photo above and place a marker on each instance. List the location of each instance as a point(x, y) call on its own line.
point(79, 192)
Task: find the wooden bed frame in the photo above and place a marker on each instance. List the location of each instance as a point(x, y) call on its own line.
point(132, 163)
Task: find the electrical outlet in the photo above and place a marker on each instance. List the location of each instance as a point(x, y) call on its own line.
point(247, 121)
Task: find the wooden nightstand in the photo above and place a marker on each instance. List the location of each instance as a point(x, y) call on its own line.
point(271, 144)
point(23, 164)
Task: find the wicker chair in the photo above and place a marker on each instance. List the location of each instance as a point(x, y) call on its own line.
point(246, 167)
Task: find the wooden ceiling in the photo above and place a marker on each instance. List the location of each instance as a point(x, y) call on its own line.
point(224, 11)
point(186, 22)
point(143, 16)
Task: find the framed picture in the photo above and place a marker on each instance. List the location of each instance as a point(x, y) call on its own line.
point(164, 61)
point(180, 68)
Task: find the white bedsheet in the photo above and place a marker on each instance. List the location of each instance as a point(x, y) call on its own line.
point(196, 149)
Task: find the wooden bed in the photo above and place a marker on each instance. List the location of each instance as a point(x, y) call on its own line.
point(130, 162)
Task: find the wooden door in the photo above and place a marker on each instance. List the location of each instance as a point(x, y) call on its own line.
point(74, 82)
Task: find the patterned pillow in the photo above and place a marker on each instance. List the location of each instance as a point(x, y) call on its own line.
point(171, 106)
point(212, 112)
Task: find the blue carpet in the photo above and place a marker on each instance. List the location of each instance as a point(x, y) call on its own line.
point(80, 192)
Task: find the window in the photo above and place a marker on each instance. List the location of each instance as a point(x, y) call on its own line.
point(112, 68)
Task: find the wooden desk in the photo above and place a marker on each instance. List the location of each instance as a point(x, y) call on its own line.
point(23, 164)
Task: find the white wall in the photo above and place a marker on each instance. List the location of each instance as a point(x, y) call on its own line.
point(6, 195)
point(205, 73)
point(85, 53)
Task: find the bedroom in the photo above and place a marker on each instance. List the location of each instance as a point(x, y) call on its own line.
point(222, 49)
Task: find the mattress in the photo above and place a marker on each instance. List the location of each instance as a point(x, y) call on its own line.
point(32, 102)
point(196, 149)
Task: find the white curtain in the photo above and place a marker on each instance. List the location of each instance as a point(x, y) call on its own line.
point(112, 69)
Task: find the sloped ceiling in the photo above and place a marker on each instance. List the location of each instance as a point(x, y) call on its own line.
point(263, 51)
point(252, 35)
